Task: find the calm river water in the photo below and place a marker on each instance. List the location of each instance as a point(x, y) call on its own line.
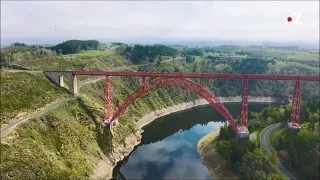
point(168, 149)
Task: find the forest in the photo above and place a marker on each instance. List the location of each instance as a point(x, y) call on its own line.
point(23, 53)
point(303, 146)
point(249, 160)
point(75, 46)
point(138, 53)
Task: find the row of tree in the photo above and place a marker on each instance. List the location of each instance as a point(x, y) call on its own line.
point(20, 54)
point(139, 54)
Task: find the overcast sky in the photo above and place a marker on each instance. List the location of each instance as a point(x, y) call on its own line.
point(239, 20)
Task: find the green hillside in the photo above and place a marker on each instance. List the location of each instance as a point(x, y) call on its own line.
point(23, 92)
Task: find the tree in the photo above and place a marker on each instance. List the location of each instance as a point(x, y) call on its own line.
point(190, 59)
point(273, 157)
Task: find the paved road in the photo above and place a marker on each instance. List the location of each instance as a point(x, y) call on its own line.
point(265, 143)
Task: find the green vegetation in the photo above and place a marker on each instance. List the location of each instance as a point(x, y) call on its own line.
point(192, 52)
point(59, 145)
point(13, 55)
point(249, 160)
point(280, 89)
point(303, 146)
point(67, 142)
point(106, 62)
point(258, 165)
point(75, 46)
point(138, 54)
point(17, 44)
point(25, 92)
point(92, 53)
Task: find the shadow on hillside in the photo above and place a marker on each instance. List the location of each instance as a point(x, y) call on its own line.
point(103, 136)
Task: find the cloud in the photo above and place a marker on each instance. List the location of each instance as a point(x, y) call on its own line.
point(187, 167)
point(209, 128)
point(239, 20)
point(158, 154)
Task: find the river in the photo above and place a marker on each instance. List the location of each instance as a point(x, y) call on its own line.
point(168, 149)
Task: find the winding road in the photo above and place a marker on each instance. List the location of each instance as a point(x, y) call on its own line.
point(264, 139)
point(49, 108)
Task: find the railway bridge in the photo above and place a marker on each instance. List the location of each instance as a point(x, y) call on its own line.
point(182, 79)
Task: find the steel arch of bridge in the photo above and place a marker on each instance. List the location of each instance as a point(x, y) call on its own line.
point(180, 79)
point(178, 82)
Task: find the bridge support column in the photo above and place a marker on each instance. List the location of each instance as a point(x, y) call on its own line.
point(108, 104)
point(295, 111)
point(73, 84)
point(61, 83)
point(144, 82)
point(243, 132)
point(244, 105)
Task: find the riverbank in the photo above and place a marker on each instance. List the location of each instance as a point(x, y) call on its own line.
point(105, 167)
point(217, 166)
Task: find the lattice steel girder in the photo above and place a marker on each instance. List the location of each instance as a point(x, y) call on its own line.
point(295, 111)
point(183, 83)
point(244, 105)
point(144, 82)
point(201, 75)
point(108, 103)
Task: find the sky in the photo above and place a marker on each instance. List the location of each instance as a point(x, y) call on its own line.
point(170, 20)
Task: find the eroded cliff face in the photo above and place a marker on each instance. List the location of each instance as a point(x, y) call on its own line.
point(105, 167)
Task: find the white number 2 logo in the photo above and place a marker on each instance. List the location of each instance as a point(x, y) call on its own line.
point(297, 16)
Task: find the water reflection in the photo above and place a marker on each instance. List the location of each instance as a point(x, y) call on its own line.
point(171, 158)
point(169, 145)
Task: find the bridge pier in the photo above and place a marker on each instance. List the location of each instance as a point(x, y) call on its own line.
point(57, 78)
point(294, 126)
point(61, 81)
point(295, 111)
point(242, 135)
point(109, 125)
point(73, 83)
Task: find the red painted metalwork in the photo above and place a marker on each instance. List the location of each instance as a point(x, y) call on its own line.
point(108, 103)
point(183, 83)
point(144, 82)
point(295, 111)
point(179, 79)
point(244, 105)
point(201, 75)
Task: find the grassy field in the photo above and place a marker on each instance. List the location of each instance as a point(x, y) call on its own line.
point(284, 54)
point(258, 134)
point(23, 92)
point(91, 53)
point(275, 135)
point(200, 58)
point(106, 62)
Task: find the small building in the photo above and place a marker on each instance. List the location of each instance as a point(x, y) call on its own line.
point(284, 154)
